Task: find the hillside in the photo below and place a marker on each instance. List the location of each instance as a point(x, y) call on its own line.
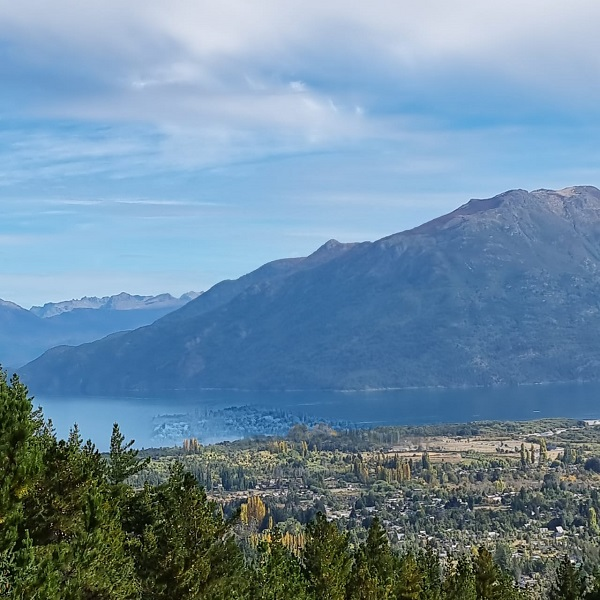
point(25, 334)
point(502, 290)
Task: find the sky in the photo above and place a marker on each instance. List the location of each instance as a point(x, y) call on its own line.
point(150, 146)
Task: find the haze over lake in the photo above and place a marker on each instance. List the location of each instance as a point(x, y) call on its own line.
point(141, 417)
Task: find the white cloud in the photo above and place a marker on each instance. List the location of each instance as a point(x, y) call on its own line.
point(211, 34)
point(239, 80)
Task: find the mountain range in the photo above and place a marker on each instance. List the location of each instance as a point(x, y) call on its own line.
point(25, 334)
point(504, 290)
point(122, 301)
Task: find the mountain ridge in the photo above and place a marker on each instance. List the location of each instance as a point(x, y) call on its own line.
point(500, 291)
point(121, 301)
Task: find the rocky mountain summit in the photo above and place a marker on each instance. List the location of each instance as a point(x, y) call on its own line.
point(504, 290)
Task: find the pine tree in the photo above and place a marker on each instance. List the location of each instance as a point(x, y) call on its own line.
point(363, 584)
point(429, 565)
point(491, 583)
point(568, 583)
point(20, 465)
point(460, 582)
point(180, 543)
point(123, 459)
point(277, 574)
point(327, 560)
point(486, 574)
point(19, 457)
point(373, 571)
point(92, 563)
point(409, 580)
point(76, 546)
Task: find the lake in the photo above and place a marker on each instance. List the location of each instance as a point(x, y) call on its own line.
point(155, 421)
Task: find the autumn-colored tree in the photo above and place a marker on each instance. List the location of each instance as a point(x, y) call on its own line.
point(253, 512)
point(191, 445)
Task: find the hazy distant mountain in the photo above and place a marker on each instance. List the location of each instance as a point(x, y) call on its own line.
point(15, 324)
point(502, 290)
point(25, 334)
point(122, 301)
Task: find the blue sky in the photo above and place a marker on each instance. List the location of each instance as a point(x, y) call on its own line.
point(149, 146)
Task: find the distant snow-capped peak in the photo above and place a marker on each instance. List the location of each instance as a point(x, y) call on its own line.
point(122, 301)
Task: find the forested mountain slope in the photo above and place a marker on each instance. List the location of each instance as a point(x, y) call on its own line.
point(502, 290)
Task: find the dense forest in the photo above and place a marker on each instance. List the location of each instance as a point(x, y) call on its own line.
point(72, 526)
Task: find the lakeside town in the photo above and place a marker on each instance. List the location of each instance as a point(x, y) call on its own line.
point(526, 490)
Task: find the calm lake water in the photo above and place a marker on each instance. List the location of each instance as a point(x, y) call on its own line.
point(138, 416)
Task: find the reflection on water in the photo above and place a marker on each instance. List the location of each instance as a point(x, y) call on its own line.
point(137, 416)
